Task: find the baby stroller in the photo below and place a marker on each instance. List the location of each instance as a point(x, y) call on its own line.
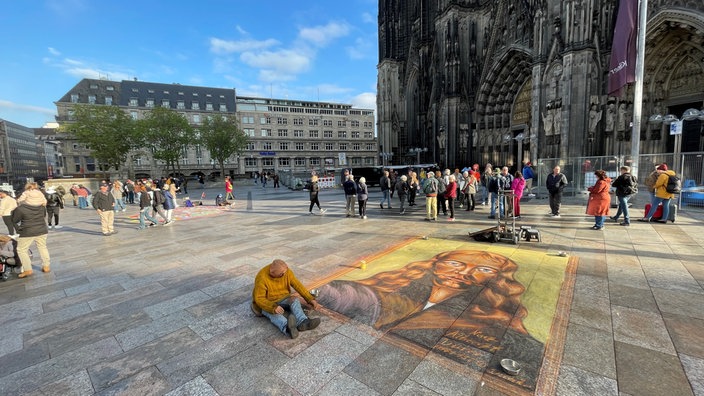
point(8, 256)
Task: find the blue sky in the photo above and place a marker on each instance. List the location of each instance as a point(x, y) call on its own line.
point(306, 49)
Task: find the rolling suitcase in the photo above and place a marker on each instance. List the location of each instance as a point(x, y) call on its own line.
point(672, 216)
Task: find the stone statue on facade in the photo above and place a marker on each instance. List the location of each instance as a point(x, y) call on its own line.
point(594, 118)
point(442, 139)
point(547, 122)
point(610, 117)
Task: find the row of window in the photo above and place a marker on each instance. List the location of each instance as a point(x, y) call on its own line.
point(267, 120)
point(150, 103)
point(251, 132)
point(300, 146)
point(302, 162)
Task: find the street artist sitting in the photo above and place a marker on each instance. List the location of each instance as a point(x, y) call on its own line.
point(271, 297)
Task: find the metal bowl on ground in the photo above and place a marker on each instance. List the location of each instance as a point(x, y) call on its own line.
point(510, 366)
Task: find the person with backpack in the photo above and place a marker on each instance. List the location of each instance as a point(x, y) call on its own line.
point(362, 196)
point(626, 186)
point(402, 189)
point(350, 188)
point(385, 183)
point(54, 204)
point(431, 197)
point(443, 181)
point(158, 203)
point(145, 205)
point(664, 192)
point(496, 183)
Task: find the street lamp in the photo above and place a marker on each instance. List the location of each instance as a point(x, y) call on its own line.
point(519, 138)
point(417, 151)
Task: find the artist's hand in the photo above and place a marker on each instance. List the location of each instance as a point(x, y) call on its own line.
point(315, 304)
point(279, 310)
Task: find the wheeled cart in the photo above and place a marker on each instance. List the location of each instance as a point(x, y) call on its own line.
point(505, 228)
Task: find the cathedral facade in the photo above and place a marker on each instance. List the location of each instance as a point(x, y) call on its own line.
point(508, 81)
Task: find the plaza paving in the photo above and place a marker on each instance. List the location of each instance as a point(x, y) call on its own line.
point(166, 310)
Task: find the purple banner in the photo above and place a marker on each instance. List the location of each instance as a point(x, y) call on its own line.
point(622, 66)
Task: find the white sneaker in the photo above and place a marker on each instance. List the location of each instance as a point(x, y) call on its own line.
point(58, 227)
point(15, 236)
point(323, 211)
point(556, 216)
point(364, 217)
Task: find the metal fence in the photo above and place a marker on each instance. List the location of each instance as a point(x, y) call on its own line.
point(580, 174)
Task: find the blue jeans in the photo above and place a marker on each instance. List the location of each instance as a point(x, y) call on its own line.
point(494, 198)
point(623, 208)
point(386, 196)
point(654, 206)
point(82, 202)
point(144, 214)
point(280, 320)
point(119, 204)
point(599, 221)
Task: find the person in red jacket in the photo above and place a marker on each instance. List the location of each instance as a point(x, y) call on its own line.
point(451, 195)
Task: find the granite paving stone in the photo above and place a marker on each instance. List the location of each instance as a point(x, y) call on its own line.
point(641, 328)
point(577, 382)
point(256, 363)
point(54, 369)
point(75, 384)
point(687, 334)
point(128, 295)
point(312, 369)
point(591, 350)
point(24, 357)
point(147, 382)
point(175, 304)
point(441, 380)
point(410, 387)
point(196, 387)
point(679, 302)
point(590, 311)
point(139, 335)
point(694, 368)
point(643, 371)
point(111, 371)
point(632, 297)
point(220, 303)
point(397, 364)
point(73, 299)
point(344, 385)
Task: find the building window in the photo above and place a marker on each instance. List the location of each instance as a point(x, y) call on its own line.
point(250, 146)
point(248, 132)
point(327, 122)
point(196, 118)
point(313, 134)
point(71, 114)
point(342, 123)
point(94, 86)
point(356, 147)
point(267, 162)
point(250, 162)
point(354, 124)
point(91, 99)
point(298, 121)
point(368, 124)
point(149, 103)
point(329, 147)
point(108, 100)
point(341, 134)
point(266, 146)
point(356, 161)
point(265, 120)
point(284, 162)
point(248, 120)
point(282, 120)
point(355, 134)
point(77, 163)
point(134, 102)
point(368, 161)
point(300, 146)
point(327, 134)
point(300, 162)
point(266, 133)
point(134, 115)
point(181, 105)
point(368, 135)
point(297, 133)
point(315, 146)
point(314, 161)
point(74, 98)
point(343, 146)
point(370, 146)
point(165, 103)
point(209, 107)
point(283, 145)
point(90, 164)
point(223, 107)
point(312, 122)
point(283, 132)
point(195, 106)
point(110, 88)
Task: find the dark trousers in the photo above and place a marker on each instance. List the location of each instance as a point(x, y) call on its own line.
point(314, 201)
point(10, 225)
point(451, 206)
point(470, 202)
point(52, 212)
point(555, 200)
point(362, 208)
point(443, 203)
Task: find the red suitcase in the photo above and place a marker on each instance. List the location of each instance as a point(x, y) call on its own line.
point(658, 211)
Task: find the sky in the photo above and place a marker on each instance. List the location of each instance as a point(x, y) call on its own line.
point(308, 49)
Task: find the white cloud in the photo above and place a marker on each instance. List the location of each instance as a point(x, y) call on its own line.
point(366, 100)
point(6, 104)
point(72, 62)
point(80, 72)
point(323, 35)
point(222, 47)
point(53, 51)
point(362, 49)
point(241, 30)
point(368, 18)
point(283, 64)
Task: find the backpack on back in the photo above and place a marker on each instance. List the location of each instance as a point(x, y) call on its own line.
point(431, 187)
point(441, 186)
point(674, 185)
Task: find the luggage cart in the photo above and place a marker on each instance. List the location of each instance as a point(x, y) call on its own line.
point(505, 228)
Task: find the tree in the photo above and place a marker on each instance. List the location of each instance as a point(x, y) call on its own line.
point(166, 134)
point(223, 138)
point(107, 131)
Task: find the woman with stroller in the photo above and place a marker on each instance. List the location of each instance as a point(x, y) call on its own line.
point(7, 205)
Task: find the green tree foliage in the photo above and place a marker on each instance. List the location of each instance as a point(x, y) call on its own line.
point(166, 134)
point(223, 138)
point(106, 130)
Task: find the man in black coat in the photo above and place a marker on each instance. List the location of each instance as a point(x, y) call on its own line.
point(30, 223)
point(103, 203)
